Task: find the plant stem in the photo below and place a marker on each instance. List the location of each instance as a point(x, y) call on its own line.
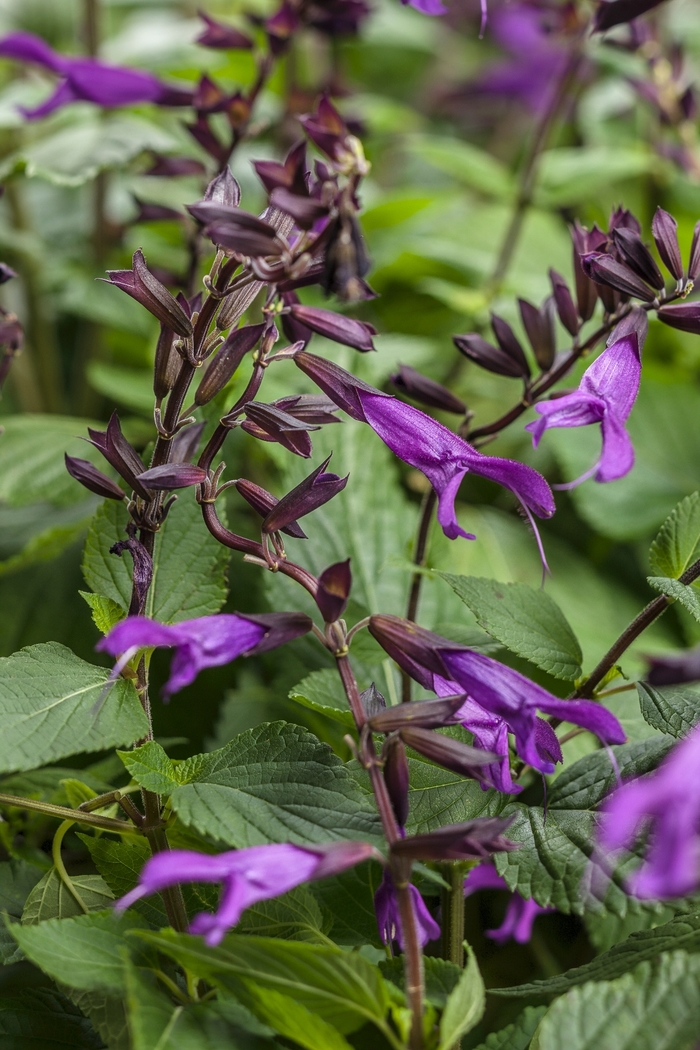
point(453, 912)
point(121, 827)
point(413, 956)
point(61, 868)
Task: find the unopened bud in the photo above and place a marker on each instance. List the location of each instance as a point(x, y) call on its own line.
point(315, 490)
point(340, 329)
point(568, 314)
point(333, 592)
point(490, 357)
point(226, 360)
point(396, 777)
point(471, 840)
point(173, 476)
point(449, 753)
point(539, 325)
point(683, 316)
point(426, 714)
point(665, 230)
point(262, 502)
point(635, 253)
point(605, 270)
point(509, 343)
point(427, 391)
point(92, 478)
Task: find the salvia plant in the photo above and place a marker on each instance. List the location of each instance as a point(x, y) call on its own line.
point(384, 478)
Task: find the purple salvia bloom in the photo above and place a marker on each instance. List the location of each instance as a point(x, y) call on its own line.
point(508, 694)
point(248, 876)
point(520, 913)
point(86, 79)
point(669, 800)
point(207, 641)
point(536, 62)
point(606, 395)
point(386, 906)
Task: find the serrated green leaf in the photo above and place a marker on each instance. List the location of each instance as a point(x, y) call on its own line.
point(274, 783)
point(465, 1005)
point(323, 691)
point(680, 934)
point(17, 880)
point(677, 545)
point(657, 1007)
point(32, 467)
point(189, 566)
point(49, 708)
point(151, 768)
point(107, 1014)
point(689, 597)
point(105, 611)
point(51, 898)
point(556, 848)
point(525, 620)
point(438, 797)
point(349, 900)
point(84, 952)
point(672, 709)
point(515, 1036)
point(296, 916)
point(42, 1017)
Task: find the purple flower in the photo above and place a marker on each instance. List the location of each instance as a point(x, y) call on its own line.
point(537, 57)
point(86, 79)
point(668, 800)
point(248, 876)
point(386, 905)
point(207, 641)
point(420, 441)
point(606, 395)
point(520, 913)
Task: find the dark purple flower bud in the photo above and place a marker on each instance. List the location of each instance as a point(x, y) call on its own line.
point(396, 777)
point(6, 273)
point(340, 329)
point(170, 167)
point(509, 343)
point(294, 330)
point(119, 454)
point(315, 490)
point(142, 575)
point(333, 592)
point(622, 219)
point(636, 322)
point(372, 701)
point(280, 628)
point(611, 13)
point(290, 175)
point(605, 270)
point(209, 97)
point(185, 443)
point(311, 408)
point(665, 230)
point(568, 314)
point(149, 212)
point(539, 325)
point(694, 262)
point(224, 190)
point(683, 316)
point(304, 210)
point(218, 35)
point(427, 391)
point(675, 668)
point(412, 647)
point(167, 363)
point(92, 478)
point(244, 238)
point(326, 128)
point(226, 360)
point(586, 293)
point(426, 714)
point(490, 357)
point(448, 753)
point(262, 502)
point(334, 381)
point(173, 476)
point(270, 424)
point(346, 260)
point(632, 250)
point(202, 133)
point(281, 27)
point(141, 285)
point(475, 838)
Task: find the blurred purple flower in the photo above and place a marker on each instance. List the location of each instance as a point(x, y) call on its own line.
point(86, 79)
point(669, 800)
point(520, 913)
point(386, 905)
point(208, 641)
point(248, 876)
point(537, 57)
point(606, 395)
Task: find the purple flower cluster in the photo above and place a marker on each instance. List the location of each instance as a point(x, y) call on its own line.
point(520, 913)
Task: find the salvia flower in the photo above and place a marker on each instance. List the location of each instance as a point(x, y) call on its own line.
point(316, 489)
point(207, 641)
point(386, 905)
point(420, 441)
point(606, 395)
point(520, 913)
point(248, 876)
point(668, 800)
point(674, 668)
point(86, 79)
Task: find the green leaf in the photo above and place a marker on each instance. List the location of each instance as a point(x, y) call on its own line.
point(151, 768)
point(132, 387)
point(45, 546)
point(438, 797)
point(441, 977)
point(51, 898)
point(43, 1018)
point(107, 1014)
point(323, 691)
point(105, 611)
point(680, 934)
point(677, 545)
point(189, 566)
point(349, 900)
point(689, 597)
point(570, 174)
point(17, 880)
point(673, 709)
point(556, 848)
point(466, 163)
point(120, 864)
point(32, 467)
point(465, 1005)
point(84, 952)
point(292, 1019)
point(342, 988)
point(297, 916)
point(515, 1036)
point(274, 783)
point(48, 704)
point(653, 1008)
point(525, 620)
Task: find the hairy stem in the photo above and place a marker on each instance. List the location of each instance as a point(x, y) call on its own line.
point(121, 827)
point(453, 912)
point(413, 956)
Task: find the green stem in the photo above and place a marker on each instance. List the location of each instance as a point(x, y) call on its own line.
point(120, 827)
point(60, 866)
point(453, 912)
